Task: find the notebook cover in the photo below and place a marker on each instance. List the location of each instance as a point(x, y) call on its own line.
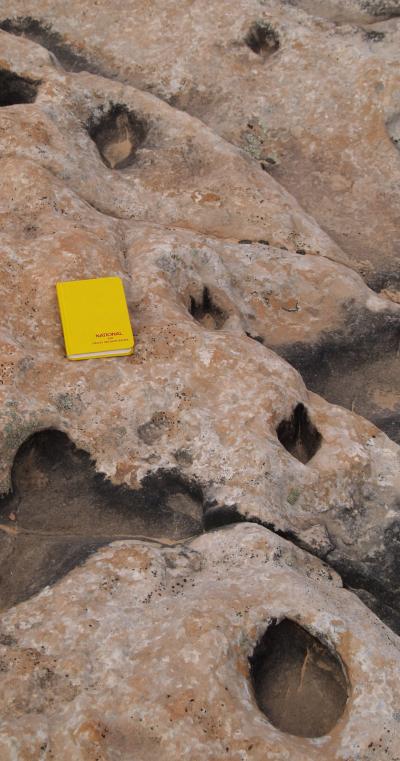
point(94, 317)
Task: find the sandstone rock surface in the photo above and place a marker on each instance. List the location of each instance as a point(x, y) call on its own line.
point(316, 108)
point(238, 168)
point(204, 402)
point(164, 635)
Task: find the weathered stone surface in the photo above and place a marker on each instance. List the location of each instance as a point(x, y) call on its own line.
point(221, 191)
point(314, 112)
point(180, 673)
point(207, 220)
point(317, 314)
point(215, 395)
point(143, 653)
point(62, 510)
point(333, 147)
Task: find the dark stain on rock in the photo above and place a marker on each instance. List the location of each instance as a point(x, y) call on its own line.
point(15, 89)
point(375, 580)
point(385, 9)
point(40, 32)
point(154, 428)
point(61, 510)
point(299, 683)
point(386, 278)
point(349, 366)
point(374, 36)
point(216, 516)
point(183, 457)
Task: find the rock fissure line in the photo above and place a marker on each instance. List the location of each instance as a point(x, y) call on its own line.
point(378, 597)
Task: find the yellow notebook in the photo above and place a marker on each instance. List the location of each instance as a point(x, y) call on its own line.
point(95, 318)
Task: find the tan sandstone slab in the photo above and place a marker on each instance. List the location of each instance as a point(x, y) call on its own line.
point(143, 653)
point(318, 112)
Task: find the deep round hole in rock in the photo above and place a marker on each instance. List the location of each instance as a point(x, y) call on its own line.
point(118, 134)
point(299, 435)
point(205, 310)
point(262, 38)
point(299, 683)
point(15, 89)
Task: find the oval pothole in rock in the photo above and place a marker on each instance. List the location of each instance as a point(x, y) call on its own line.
point(298, 435)
point(262, 39)
point(15, 89)
point(118, 134)
point(299, 684)
point(207, 312)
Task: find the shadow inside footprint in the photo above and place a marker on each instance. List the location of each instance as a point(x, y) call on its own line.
point(61, 510)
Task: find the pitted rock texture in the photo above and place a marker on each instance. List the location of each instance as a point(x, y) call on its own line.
point(216, 396)
point(239, 170)
point(314, 113)
point(328, 368)
point(144, 653)
point(334, 147)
